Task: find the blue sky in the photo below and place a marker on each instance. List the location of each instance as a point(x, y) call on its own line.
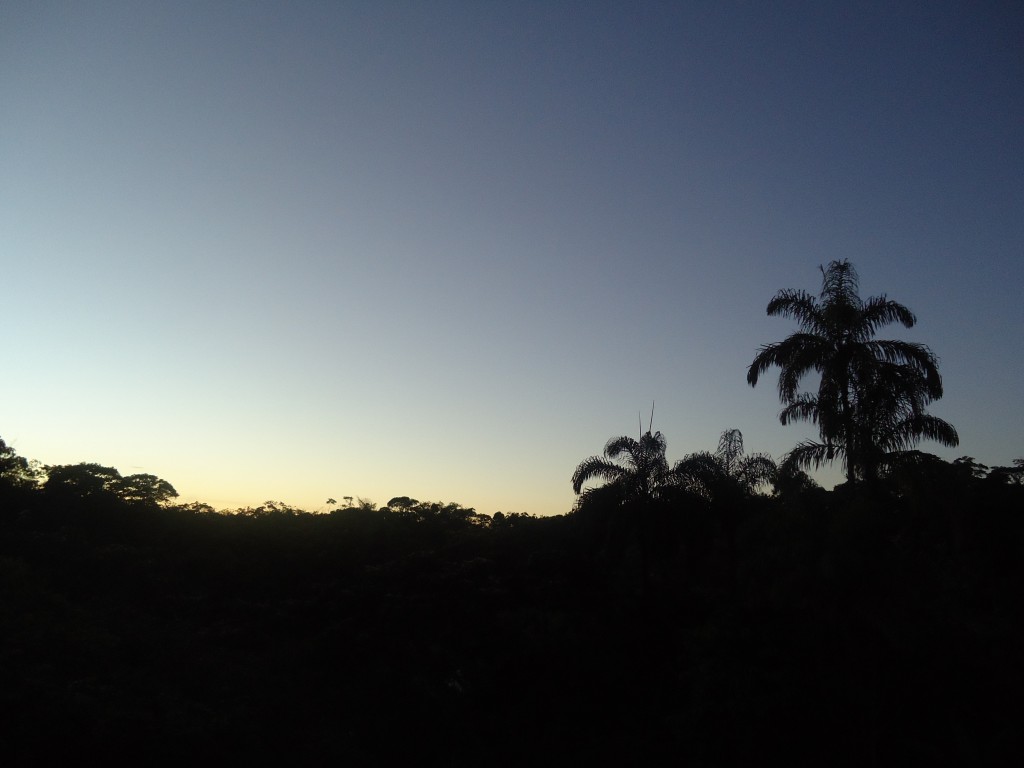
point(446, 250)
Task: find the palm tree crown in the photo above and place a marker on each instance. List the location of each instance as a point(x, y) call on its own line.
point(637, 472)
point(728, 469)
point(871, 392)
point(638, 467)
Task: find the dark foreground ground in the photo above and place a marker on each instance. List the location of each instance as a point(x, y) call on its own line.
point(826, 629)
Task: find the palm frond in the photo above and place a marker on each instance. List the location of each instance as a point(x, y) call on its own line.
point(757, 469)
point(654, 444)
point(880, 311)
point(916, 356)
point(795, 356)
point(598, 498)
point(798, 305)
point(793, 480)
point(803, 408)
point(908, 432)
point(593, 468)
point(622, 445)
point(698, 473)
point(702, 463)
point(730, 449)
point(840, 284)
point(810, 455)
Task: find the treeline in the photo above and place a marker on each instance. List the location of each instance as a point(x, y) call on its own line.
point(864, 624)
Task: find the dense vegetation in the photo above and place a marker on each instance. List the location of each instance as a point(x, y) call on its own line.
point(720, 610)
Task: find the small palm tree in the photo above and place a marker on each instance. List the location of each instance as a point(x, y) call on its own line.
point(871, 392)
point(638, 467)
point(709, 473)
point(726, 478)
point(638, 472)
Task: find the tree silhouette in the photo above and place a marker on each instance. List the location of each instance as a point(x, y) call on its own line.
point(639, 472)
point(871, 392)
point(726, 478)
point(84, 480)
point(1010, 475)
point(727, 468)
point(90, 480)
point(145, 489)
point(638, 467)
point(15, 470)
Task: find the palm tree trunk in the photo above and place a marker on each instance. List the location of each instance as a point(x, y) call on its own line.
point(643, 531)
point(729, 515)
point(848, 421)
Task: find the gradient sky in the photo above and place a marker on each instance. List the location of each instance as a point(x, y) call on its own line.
point(293, 250)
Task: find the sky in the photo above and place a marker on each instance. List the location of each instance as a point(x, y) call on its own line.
point(308, 250)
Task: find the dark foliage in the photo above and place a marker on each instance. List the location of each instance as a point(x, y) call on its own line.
point(837, 628)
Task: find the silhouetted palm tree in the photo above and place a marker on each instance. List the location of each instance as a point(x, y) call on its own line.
point(726, 478)
point(638, 467)
point(639, 471)
point(871, 393)
point(889, 419)
point(728, 466)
